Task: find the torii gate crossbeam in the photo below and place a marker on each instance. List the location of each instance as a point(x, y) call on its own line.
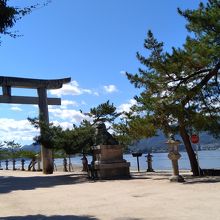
point(42, 86)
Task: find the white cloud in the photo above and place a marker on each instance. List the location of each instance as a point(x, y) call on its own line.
point(21, 131)
point(66, 103)
point(83, 102)
point(96, 93)
point(70, 89)
point(18, 130)
point(71, 115)
point(16, 108)
point(127, 106)
point(110, 88)
point(123, 72)
point(64, 124)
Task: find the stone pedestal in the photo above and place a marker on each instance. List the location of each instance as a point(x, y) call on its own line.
point(108, 162)
point(174, 157)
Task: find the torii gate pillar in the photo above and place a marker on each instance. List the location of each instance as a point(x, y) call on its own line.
point(42, 86)
point(46, 153)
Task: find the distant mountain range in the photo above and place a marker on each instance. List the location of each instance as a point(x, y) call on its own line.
point(31, 147)
point(158, 143)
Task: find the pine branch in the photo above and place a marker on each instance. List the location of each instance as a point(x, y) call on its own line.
point(199, 86)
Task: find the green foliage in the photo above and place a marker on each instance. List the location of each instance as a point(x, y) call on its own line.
point(183, 85)
point(104, 112)
point(204, 20)
point(13, 149)
point(132, 128)
point(9, 15)
point(71, 141)
point(180, 90)
point(59, 153)
point(77, 140)
point(49, 133)
point(3, 152)
point(27, 154)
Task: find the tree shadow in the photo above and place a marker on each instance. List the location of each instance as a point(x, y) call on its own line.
point(133, 175)
point(139, 175)
point(54, 217)
point(127, 218)
point(203, 179)
point(11, 183)
point(156, 175)
point(164, 175)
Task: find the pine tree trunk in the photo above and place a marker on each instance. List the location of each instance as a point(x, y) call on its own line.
point(191, 154)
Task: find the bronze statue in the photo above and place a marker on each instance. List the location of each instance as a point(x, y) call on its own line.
point(102, 136)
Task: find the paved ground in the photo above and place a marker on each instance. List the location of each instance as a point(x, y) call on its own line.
point(34, 196)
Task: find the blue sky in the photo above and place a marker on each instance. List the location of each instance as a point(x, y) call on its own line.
point(94, 43)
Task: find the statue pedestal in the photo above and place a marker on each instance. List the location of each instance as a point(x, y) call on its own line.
point(108, 162)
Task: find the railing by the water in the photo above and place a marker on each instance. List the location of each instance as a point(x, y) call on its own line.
point(207, 160)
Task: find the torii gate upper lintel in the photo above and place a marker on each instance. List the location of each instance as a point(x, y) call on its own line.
point(42, 86)
point(15, 82)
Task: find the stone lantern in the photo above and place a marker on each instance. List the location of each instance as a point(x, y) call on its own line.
point(149, 162)
point(174, 156)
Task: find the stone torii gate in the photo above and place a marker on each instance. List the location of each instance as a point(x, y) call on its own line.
point(42, 101)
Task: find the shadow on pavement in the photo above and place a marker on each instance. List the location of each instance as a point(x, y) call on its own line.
point(11, 183)
point(54, 217)
point(203, 179)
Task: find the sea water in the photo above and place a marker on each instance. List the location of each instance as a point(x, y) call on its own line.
point(207, 160)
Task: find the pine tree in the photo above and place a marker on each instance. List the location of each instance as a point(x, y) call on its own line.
point(131, 128)
point(180, 90)
point(105, 112)
point(78, 139)
point(9, 15)
point(13, 149)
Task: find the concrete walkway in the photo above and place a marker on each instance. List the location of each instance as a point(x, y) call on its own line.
point(69, 196)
